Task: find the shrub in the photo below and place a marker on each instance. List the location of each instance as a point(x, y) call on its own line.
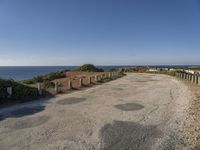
point(47, 77)
point(89, 68)
point(107, 79)
point(48, 84)
point(20, 92)
point(172, 73)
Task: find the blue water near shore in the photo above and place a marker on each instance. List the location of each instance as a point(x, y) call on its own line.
point(27, 72)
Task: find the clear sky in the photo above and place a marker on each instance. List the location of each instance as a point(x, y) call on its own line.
point(102, 32)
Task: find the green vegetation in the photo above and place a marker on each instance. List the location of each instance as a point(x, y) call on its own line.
point(136, 69)
point(194, 68)
point(48, 84)
point(27, 89)
point(89, 68)
point(171, 73)
point(19, 91)
point(112, 78)
point(47, 77)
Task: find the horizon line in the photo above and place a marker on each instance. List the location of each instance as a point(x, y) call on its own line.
point(102, 65)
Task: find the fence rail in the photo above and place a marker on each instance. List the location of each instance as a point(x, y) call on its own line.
point(79, 82)
point(71, 83)
point(193, 78)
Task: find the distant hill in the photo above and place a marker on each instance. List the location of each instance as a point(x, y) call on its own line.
point(89, 68)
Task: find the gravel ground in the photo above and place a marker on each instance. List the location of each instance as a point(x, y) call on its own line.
point(138, 111)
point(192, 122)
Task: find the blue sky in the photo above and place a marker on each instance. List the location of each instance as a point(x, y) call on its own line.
point(102, 32)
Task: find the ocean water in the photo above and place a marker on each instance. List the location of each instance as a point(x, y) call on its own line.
point(26, 72)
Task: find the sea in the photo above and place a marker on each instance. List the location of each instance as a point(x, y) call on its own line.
point(27, 72)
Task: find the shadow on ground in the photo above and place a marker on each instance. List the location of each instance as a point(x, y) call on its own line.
point(24, 111)
point(124, 135)
point(71, 100)
point(129, 106)
point(26, 122)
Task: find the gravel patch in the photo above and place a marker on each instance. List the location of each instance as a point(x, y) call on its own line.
point(26, 123)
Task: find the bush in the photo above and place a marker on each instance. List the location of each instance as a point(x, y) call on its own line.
point(171, 73)
point(20, 92)
point(89, 68)
point(120, 74)
point(48, 84)
point(38, 79)
point(3, 94)
point(47, 77)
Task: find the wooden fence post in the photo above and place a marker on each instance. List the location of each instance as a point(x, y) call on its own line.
point(109, 74)
point(9, 91)
point(176, 74)
point(56, 87)
point(39, 88)
point(198, 80)
point(182, 75)
point(70, 84)
point(80, 82)
point(101, 77)
point(89, 80)
point(96, 78)
point(192, 78)
point(188, 77)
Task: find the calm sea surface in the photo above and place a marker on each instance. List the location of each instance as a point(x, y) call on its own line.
point(21, 73)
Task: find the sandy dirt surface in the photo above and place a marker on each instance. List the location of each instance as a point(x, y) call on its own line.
point(192, 121)
point(138, 111)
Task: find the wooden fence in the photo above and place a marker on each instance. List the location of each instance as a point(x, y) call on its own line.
point(80, 81)
point(193, 78)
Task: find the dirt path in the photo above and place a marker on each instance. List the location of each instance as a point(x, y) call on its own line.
point(138, 111)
